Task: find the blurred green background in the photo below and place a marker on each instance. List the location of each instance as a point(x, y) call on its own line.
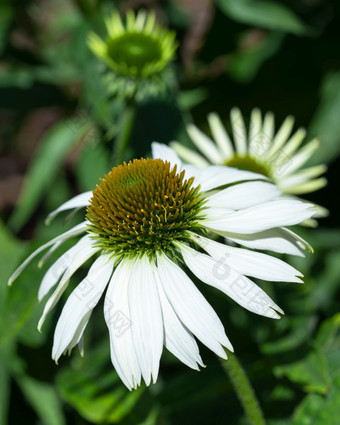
point(57, 126)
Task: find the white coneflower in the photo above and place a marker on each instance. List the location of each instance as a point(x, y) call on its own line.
point(260, 149)
point(137, 53)
point(147, 223)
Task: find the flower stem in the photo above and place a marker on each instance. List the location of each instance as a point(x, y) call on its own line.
point(243, 389)
point(123, 138)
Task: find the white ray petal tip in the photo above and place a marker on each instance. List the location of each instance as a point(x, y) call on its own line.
point(49, 218)
point(40, 325)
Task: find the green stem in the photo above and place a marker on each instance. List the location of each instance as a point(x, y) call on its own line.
point(123, 138)
point(243, 389)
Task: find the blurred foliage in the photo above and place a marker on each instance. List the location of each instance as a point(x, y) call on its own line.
point(56, 134)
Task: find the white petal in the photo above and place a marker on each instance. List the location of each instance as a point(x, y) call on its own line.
point(218, 274)
point(79, 305)
point(191, 307)
point(117, 317)
point(146, 316)
point(267, 133)
point(204, 144)
point(255, 133)
point(243, 195)
point(84, 251)
point(178, 340)
point(249, 263)
point(76, 230)
point(281, 136)
point(239, 131)
point(164, 152)
point(294, 142)
point(221, 137)
point(297, 160)
point(79, 201)
point(279, 240)
point(307, 187)
point(217, 175)
point(74, 257)
point(48, 254)
point(188, 155)
point(282, 212)
point(302, 176)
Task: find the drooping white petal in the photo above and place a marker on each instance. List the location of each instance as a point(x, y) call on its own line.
point(75, 231)
point(249, 263)
point(191, 307)
point(84, 251)
point(48, 254)
point(70, 260)
point(118, 320)
point(146, 316)
point(78, 338)
point(79, 201)
point(221, 276)
point(221, 137)
point(188, 155)
point(243, 195)
point(217, 175)
point(204, 144)
point(177, 339)
point(79, 305)
point(239, 131)
point(164, 152)
point(282, 212)
point(279, 240)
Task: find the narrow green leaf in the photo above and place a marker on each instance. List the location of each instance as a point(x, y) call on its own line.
point(92, 164)
point(93, 388)
point(4, 385)
point(43, 399)
point(44, 168)
point(265, 14)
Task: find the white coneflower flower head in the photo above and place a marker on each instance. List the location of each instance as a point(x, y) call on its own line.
point(150, 221)
point(138, 54)
point(259, 148)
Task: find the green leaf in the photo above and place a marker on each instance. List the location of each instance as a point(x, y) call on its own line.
point(93, 388)
point(264, 14)
point(92, 164)
point(316, 409)
point(326, 124)
point(11, 251)
point(4, 384)
point(44, 168)
point(316, 371)
point(44, 400)
point(245, 63)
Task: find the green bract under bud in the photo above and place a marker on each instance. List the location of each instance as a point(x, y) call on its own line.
point(144, 207)
point(138, 54)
